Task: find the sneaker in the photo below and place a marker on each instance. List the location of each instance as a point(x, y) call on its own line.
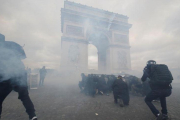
point(165, 117)
point(121, 104)
point(34, 118)
point(159, 116)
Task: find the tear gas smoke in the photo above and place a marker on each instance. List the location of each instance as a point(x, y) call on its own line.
point(11, 54)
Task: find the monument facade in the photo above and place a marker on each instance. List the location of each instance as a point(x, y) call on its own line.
point(109, 32)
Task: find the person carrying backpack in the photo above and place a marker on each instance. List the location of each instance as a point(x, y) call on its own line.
point(160, 83)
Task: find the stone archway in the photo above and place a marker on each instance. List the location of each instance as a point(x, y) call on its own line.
point(108, 31)
point(101, 42)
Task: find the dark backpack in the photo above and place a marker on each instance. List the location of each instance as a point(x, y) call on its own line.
point(160, 74)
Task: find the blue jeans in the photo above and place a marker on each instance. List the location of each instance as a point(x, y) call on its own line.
point(161, 94)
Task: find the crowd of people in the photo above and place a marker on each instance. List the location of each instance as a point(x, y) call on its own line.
point(154, 84)
point(94, 83)
point(100, 84)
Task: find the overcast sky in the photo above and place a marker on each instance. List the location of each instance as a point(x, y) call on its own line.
point(155, 33)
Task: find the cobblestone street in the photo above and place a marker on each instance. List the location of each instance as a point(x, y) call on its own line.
point(65, 102)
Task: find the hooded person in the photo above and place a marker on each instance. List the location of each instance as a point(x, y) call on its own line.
point(13, 75)
point(120, 91)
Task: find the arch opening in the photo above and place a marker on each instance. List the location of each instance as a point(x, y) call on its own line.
point(92, 58)
point(100, 41)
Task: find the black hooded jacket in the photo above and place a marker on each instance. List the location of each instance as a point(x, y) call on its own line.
point(119, 85)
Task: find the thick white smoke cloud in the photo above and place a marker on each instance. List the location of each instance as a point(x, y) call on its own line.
point(11, 65)
point(37, 24)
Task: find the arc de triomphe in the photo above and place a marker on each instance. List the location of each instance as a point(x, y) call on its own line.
point(109, 32)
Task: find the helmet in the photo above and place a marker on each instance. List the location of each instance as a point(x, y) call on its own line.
point(2, 38)
point(151, 62)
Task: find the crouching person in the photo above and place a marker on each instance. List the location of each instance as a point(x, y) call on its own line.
point(160, 83)
point(121, 92)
